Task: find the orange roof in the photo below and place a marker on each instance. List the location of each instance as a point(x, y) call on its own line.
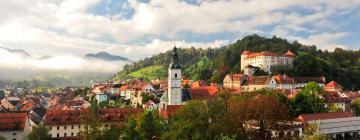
point(289, 53)
point(123, 88)
point(61, 117)
point(332, 84)
point(245, 52)
point(170, 110)
point(323, 116)
point(12, 121)
point(266, 53)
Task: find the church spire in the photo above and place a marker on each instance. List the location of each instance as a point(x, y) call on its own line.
point(175, 59)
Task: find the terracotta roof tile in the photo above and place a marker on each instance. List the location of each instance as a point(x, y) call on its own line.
point(12, 121)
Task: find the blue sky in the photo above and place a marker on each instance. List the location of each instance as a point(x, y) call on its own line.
point(142, 28)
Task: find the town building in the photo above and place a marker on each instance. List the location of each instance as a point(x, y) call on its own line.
point(265, 60)
point(337, 125)
point(175, 95)
point(70, 123)
point(14, 126)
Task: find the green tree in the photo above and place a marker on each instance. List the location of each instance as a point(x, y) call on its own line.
point(130, 132)
point(2, 138)
point(309, 99)
point(150, 125)
point(111, 133)
point(38, 133)
point(312, 133)
point(355, 105)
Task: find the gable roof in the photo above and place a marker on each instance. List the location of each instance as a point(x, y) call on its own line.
point(258, 80)
point(332, 84)
point(324, 116)
point(12, 121)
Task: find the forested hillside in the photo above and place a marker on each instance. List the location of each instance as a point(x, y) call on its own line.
point(212, 65)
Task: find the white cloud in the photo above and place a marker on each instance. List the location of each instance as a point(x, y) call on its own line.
point(67, 26)
point(325, 40)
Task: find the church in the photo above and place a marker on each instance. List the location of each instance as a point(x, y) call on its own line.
point(175, 95)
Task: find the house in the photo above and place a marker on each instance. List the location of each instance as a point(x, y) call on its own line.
point(68, 123)
point(332, 86)
point(122, 90)
point(115, 89)
point(150, 105)
point(147, 88)
point(338, 125)
point(101, 97)
point(10, 103)
point(14, 126)
point(36, 115)
point(291, 83)
point(254, 83)
point(234, 81)
point(265, 60)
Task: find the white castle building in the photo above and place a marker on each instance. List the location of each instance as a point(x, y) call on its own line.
point(264, 60)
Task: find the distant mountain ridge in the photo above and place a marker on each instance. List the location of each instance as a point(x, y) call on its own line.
point(16, 51)
point(106, 56)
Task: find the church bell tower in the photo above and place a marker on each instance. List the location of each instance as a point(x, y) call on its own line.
point(174, 80)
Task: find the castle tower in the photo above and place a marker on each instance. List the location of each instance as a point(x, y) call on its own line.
point(244, 55)
point(174, 80)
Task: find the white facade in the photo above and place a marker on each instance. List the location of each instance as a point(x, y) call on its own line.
point(17, 134)
point(59, 131)
point(174, 87)
point(264, 60)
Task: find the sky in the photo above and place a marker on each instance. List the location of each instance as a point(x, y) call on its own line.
point(141, 28)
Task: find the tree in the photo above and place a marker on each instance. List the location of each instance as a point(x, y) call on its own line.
point(198, 119)
point(150, 125)
point(111, 133)
point(309, 99)
point(355, 105)
point(312, 133)
point(39, 133)
point(130, 132)
point(2, 94)
point(263, 113)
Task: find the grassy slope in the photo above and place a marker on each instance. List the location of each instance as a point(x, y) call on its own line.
point(149, 73)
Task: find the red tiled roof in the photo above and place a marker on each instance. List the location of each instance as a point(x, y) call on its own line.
point(258, 80)
point(289, 53)
point(61, 117)
point(332, 84)
point(12, 121)
point(323, 116)
point(245, 52)
point(170, 110)
point(199, 93)
point(123, 88)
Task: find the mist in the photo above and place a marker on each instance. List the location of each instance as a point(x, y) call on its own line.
point(17, 66)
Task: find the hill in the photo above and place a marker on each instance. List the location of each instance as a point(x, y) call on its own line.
point(212, 64)
point(106, 56)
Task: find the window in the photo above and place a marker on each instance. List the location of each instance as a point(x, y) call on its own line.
point(14, 134)
point(72, 126)
point(175, 75)
point(64, 134)
point(65, 127)
point(72, 134)
point(57, 127)
point(50, 128)
point(79, 126)
point(57, 135)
